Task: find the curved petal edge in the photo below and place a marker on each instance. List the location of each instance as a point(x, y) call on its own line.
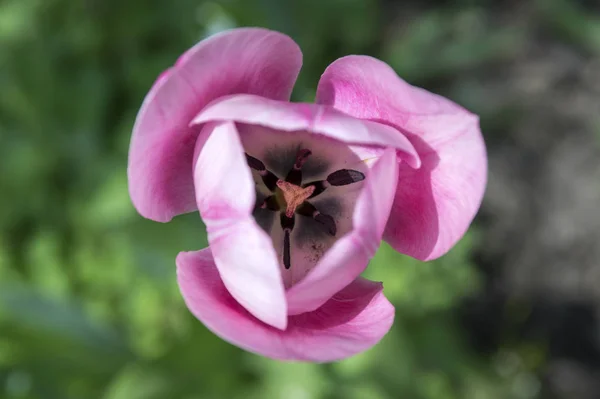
point(352, 321)
point(246, 60)
point(351, 254)
point(319, 119)
point(435, 204)
point(243, 252)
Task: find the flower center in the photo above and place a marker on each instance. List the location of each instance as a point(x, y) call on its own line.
point(293, 196)
point(290, 196)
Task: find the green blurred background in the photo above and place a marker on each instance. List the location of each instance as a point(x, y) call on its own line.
point(89, 306)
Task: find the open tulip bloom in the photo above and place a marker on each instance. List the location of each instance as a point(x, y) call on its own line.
point(297, 197)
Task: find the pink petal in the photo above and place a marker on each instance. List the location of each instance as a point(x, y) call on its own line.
point(324, 120)
point(435, 204)
point(249, 60)
point(352, 321)
point(350, 255)
point(243, 252)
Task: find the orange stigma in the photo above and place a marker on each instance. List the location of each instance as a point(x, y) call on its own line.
point(294, 195)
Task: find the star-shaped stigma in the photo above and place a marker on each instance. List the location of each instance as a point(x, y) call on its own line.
point(290, 196)
point(294, 195)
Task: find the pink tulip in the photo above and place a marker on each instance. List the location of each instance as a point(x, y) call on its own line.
point(297, 197)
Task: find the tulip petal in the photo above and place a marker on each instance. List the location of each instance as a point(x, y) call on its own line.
point(243, 252)
point(350, 255)
point(248, 60)
point(324, 120)
point(352, 321)
point(435, 204)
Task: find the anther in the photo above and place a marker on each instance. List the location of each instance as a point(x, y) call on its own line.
point(287, 224)
point(344, 177)
point(301, 157)
point(266, 175)
point(287, 262)
point(255, 163)
point(270, 203)
point(319, 186)
point(309, 210)
point(341, 177)
point(294, 176)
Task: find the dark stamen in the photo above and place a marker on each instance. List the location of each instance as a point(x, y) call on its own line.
point(270, 203)
point(344, 177)
point(293, 195)
point(255, 163)
point(308, 209)
point(340, 177)
point(286, 249)
point(295, 174)
point(267, 176)
point(301, 157)
point(287, 224)
point(320, 186)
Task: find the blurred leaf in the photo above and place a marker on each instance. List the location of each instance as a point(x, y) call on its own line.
point(444, 42)
point(417, 287)
point(572, 22)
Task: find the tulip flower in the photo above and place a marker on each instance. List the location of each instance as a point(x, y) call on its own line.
point(297, 197)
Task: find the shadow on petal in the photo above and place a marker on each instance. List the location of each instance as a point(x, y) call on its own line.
point(435, 205)
point(351, 322)
point(414, 212)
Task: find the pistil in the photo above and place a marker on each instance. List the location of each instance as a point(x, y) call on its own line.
point(290, 196)
point(294, 196)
